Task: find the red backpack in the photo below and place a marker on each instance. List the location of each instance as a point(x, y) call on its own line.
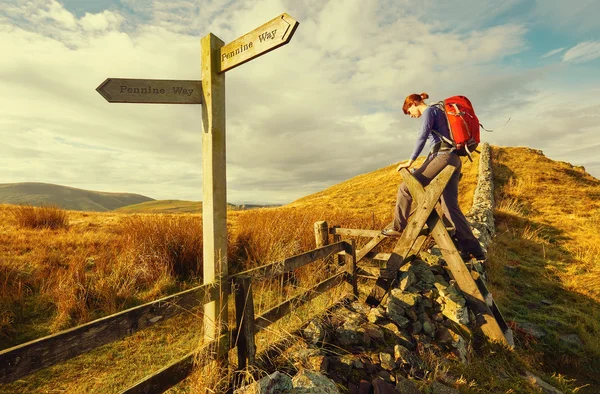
point(462, 123)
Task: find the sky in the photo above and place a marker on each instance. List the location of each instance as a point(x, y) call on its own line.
point(315, 112)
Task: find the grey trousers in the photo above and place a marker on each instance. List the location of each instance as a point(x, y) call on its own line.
point(432, 166)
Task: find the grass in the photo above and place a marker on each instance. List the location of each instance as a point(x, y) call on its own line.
point(547, 219)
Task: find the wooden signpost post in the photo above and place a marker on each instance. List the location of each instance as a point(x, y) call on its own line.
point(210, 92)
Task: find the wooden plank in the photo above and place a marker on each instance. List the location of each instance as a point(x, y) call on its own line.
point(244, 310)
point(459, 270)
point(272, 270)
point(263, 39)
point(351, 232)
point(26, 358)
point(177, 371)
point(372, 244)
point(214, 189)
point(338, 259)
point(410, 234)
point(351, 266)
point(151, 91)
point(272, 315)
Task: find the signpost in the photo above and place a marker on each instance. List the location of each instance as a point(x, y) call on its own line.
point(210, 92)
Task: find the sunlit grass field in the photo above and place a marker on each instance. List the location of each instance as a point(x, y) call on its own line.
point(91, 265)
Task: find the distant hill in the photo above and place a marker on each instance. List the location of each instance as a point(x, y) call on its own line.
point(176, 206)
point(65, 197)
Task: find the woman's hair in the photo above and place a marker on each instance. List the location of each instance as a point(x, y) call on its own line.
point(413, 99)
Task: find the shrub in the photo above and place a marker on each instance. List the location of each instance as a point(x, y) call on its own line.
point(47, 216)
point(166, 242)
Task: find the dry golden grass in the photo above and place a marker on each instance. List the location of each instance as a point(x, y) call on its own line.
point(51, 217)
point(548, 221)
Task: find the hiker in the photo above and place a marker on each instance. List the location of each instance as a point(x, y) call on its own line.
point(441, 154)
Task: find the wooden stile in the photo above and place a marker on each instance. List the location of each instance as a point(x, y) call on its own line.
point(459, 270)
point(410, 235)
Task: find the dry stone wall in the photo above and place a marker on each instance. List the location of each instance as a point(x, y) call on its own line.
point(481, 214)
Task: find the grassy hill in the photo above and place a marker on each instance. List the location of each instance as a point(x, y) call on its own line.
point(65, 197)
point(543, 269)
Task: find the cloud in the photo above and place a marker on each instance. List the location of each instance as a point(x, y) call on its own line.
point(552, 52)
point(570, 18)
point(583, 52)
point(322, 109)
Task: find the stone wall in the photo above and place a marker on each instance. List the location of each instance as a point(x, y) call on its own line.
point(481, 214)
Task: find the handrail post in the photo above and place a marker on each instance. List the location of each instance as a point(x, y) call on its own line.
point(244, 316)
point(350, 249)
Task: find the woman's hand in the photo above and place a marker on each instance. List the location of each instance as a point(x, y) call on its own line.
point(405, 165)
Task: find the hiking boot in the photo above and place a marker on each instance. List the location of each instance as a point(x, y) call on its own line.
point(390, 232)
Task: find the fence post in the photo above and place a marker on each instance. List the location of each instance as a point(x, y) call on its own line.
point(321, 234)
point(337, 238)
point(244, 316)
point(350, 249)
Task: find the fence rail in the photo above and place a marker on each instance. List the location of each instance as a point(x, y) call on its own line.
point(29, 357)
point(21, 360)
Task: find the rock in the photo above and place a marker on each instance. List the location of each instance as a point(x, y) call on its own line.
point(443, 336)
point(309, 382)
point(349, 334)
point(572, 339)
point(426, 303)
point(376, 316)
point(416, 327)
point(545, 387)
point(382, 387)
point(396, 313)
point(439, 388)
point(385, 375)
point(405, 357)
point(360, 307)
point(460, 346)
point(439, 280)
point(532, 329)
point(453, 305)
point(400, 337)
point(406, 386)
point(405, 300)
point(422, 271)
point(429, 328)
point(409, 279)
point(318, 363)
point(314, 332)
point(358, 364)
point(437, 317)
point(412, 314)
point(387, 361)
point(340, 368)
point(373, 331)
point(276, 383)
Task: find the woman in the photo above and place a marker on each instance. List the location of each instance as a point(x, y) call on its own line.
point(441, 154)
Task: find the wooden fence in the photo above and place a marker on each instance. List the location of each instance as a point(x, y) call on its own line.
point(24, 359)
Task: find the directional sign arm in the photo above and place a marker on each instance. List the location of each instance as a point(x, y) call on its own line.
point(151, 91)
point(259, 41)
